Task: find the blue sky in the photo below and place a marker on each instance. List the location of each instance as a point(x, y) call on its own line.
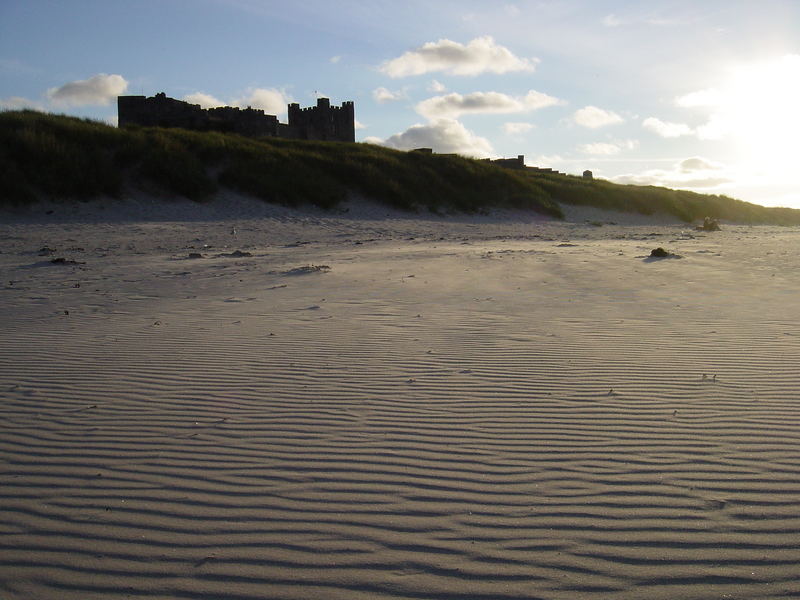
point(698, 95)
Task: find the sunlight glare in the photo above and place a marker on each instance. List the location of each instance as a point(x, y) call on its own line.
point(759, 109)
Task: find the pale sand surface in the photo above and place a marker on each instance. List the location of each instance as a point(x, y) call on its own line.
point(501, 407)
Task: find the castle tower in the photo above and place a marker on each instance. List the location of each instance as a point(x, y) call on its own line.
point(347, 122)
point(131, 109)
point(322, 122)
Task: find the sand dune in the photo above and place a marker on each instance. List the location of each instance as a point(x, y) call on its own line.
point(478, 408)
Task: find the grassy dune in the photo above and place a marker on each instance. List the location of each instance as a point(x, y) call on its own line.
point(65, 158)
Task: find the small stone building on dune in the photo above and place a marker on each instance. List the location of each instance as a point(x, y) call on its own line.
point(320, 122)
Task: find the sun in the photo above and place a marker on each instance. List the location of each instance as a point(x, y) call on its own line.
point(759, 110)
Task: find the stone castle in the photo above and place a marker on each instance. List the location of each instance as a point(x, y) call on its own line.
point(320, 122)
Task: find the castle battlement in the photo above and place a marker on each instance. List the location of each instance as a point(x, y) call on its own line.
point(320, 122)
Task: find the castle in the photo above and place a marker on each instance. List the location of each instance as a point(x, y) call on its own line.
point(320, 122)
point(519, 164)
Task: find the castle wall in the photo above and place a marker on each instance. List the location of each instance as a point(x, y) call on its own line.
point(321, 122)
point(158, 111)
point(519, 163)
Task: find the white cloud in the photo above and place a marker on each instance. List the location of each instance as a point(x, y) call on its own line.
point(665, 128)
point(693, 173)
point(359, 125)
point(272, 101)
point(667, 179)
point(600, 148)
point(517, 128)
point(382, 95)
point(481, 55)
point(454, 105)
point(436, 87)
point(718, 126)
point(204, 100)
point(709, 97)
point(100, 89)
point(443, 135)
point(697, 163)
point(608, 148)
point(612, 21)
point(19, 103)
point(593, 117)
point(548, 161)
point(335, 59)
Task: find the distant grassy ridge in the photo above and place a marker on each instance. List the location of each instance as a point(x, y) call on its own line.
point(685, 205)
point(66, 158)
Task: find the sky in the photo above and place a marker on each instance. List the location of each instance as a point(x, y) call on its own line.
point(686, 94)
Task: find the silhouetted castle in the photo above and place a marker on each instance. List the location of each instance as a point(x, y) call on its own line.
point(320, 122)
point(519, 164)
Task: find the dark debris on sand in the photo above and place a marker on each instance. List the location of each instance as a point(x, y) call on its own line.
point(661, 253)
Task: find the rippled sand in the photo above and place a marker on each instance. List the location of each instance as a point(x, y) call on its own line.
point(467, 408)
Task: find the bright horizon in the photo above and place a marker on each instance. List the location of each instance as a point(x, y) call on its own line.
point(701, 96)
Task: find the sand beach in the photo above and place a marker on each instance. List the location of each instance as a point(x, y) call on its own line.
point(242, 401)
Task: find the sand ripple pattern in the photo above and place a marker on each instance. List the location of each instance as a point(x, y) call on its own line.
point(400, 448)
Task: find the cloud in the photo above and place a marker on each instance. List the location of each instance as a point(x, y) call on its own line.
point(600, 148)
point(436, 87)
point(548, 161)
point(19, 103)
point(100, 89)
point(608, 148)
point(666, 179)
point(666, 129)
point(204, 100)
point(709, 97)
point(593, 117)
point(454, 105)
point(443, 135)
point(272, 101)
point(696, 163)
point(717, 127)
point(382, 95)
point(692, 173)
point(335, 59)
point(517, 128)
point(359, 125)
point(481, 55)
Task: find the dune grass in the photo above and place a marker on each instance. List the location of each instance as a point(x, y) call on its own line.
point(68, 158)
point(683, 204)
point(65, 159)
